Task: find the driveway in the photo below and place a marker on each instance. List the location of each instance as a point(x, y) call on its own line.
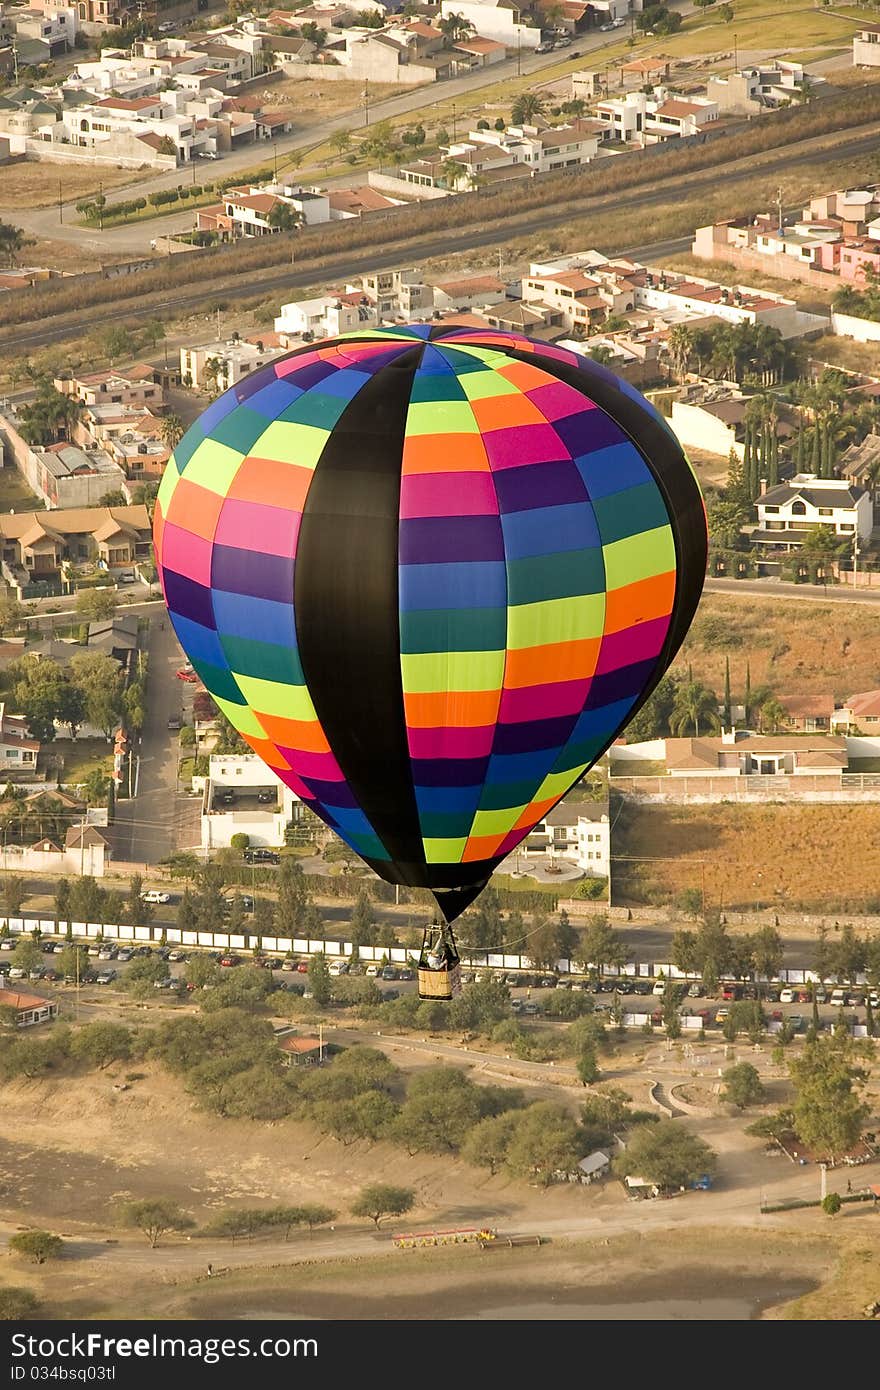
point(158, 819)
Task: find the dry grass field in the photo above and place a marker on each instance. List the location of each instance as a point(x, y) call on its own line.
point(823, 858)
point(797, 648)
point(35, 184)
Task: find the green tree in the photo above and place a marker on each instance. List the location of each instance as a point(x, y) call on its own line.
point(27, 956)
point(829, 1113)
point(485, 925)
point(341, 141)
point(12, 242)
point(155, 1216)
point(487, 1144)
point(363, 920)
point(831, 1203)
point(172, 430)
point(666, 1154)
point(94, 605)
point(38, 1246)
point(382, 1199)
point(526, 107)
point(441, 1106)
point(587, 1065)
point(284, 218)
point(743, 1086)
point(320, 982)
point(695, 709)
point(16, 1305)
point(101, 1043)
point(601, 945)
point(545, 1142)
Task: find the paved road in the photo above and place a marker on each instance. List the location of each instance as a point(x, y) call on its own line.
point(453, 240)
point(158, 819)
point(44, 221)
point(776, 589)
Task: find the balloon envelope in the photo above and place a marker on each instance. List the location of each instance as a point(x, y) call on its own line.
point(429, 573)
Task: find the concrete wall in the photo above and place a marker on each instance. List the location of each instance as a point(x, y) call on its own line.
point(781, 266)
point(399, 188)
point(862, 330)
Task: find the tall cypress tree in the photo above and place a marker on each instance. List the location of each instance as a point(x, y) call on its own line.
point(728, 719)
point(801, 445)
point(747, 698)
point(773, 463)
point(815, 453)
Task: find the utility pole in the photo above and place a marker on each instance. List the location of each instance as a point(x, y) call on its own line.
point(779, 207)
point(518, 54)
point(366, 101)
point(101, 204)
point(60, 203)
point(453, 123)
point(275, 159)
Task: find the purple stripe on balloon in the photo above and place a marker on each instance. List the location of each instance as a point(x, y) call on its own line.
point(331, 793)
point(555, 484)
point(523, 444)
point(451, 743)
point(189, 599)
point(531, 737)
point(587, 432)
point(244, 524)
point(543, 701)
point(446, 772)
point(448, 494)
point(431, 540)
point(249, 572)
point(617, 685)
point(632, 644)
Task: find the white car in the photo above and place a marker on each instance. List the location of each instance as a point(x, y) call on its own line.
point(338, 967)
point(618, 23)
point(659, 988)
point(787, 996)
point(155, 896)
point(838, 997)
point(16, 973)
point(372, 970)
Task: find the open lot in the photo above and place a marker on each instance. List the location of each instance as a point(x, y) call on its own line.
point(794, 647)
point(746, 854)
point(35, 184)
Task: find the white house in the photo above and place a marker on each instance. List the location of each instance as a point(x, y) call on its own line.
point(637, 118)
point(866, 47)
point(578, 831)
point(325, 317)
point(495, 19)
point(234, 359)
point(242, 796)
point(740, 753)
point(786, 513)
point(754, 89)
point(18, 751)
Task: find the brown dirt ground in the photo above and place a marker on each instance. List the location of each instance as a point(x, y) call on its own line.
point(325, 99)
point(36, 183)
point(796, 648)
point(810, 857)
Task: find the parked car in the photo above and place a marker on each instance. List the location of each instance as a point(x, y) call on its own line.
point(516, 1006)
point(125, 577)
point(7, 944)
point(467, 977)
point(338, 967)
point(229, 961)
point(838, 998)
point(177, 955)
point(547, 982)
point(186, 673)
point(155, 895)
point(175, 723)
point(302, 967)
point(372, 971)
point(265, 798)
point(721, 1015)
point(107, 953)
point(546, 47)
point(408, 974)
point(618, 23)
point(389, 973)
point(105, 977)
point(562, 43)
point(125, 954)
point(288, 964)
point(605, 28)
point(787, 995)
point(797, 1022)
point(530, 1008)
point(262, 856)
point(695, 990)
point(821, 993)
point(659, 988)
point(731, 990)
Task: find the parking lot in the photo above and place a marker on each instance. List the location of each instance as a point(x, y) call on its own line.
point(531, 993)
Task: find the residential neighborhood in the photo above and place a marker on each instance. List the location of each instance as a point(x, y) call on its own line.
point(440, 796)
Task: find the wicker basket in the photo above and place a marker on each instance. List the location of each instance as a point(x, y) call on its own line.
point(440, 984)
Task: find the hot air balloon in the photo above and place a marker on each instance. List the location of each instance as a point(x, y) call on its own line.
point(429, 573)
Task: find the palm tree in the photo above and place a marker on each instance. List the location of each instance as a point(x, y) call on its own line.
point(527, 106)
point(455, 27)
point(681, 344)
point(172, 430)
point(213, 372)
point(695, 707)
point(770, 715)
point(453, 172)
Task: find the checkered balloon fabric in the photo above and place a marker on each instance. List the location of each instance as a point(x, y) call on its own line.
point(429, 573)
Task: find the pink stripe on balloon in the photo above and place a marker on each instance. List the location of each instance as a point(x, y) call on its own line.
point(448, 494)
point(543, 701)
point(523, 444)
point(556, 400)
point(187, 554)
point(322, 766)
point(252, 524)
point(451, 743)
point(512, 839)
point(633, 644)
point(297, 786)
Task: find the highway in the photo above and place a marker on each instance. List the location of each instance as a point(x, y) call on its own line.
point(462, 239)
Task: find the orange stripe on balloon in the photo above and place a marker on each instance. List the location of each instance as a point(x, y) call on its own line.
point(639, 602)
point(444, 453)
point(558, 661)
point(307, 735)
point(458, 709)
point(481, 847)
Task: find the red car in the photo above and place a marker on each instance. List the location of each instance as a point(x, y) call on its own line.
point(229, 960)
point(186, 673)
point(303, 967)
